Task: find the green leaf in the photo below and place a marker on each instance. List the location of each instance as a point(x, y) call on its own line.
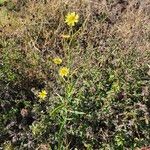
point(57, 109)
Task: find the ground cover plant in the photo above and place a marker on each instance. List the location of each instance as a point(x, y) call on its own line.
point(74, 74)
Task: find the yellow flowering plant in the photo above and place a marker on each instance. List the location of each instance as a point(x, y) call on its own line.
point(71, 19)
point(42, 95)
point(63, 72)
point(57, 60)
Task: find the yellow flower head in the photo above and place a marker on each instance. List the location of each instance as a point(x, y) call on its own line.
point(42, 95)
point(57, 60)
point(64, 71)
point(71, 19)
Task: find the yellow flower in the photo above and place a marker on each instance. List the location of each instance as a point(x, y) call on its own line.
point(42, 95)
point(64, 71)
point(57, 60)
point(71, 19)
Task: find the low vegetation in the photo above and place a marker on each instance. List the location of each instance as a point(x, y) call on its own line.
point(74, 74)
